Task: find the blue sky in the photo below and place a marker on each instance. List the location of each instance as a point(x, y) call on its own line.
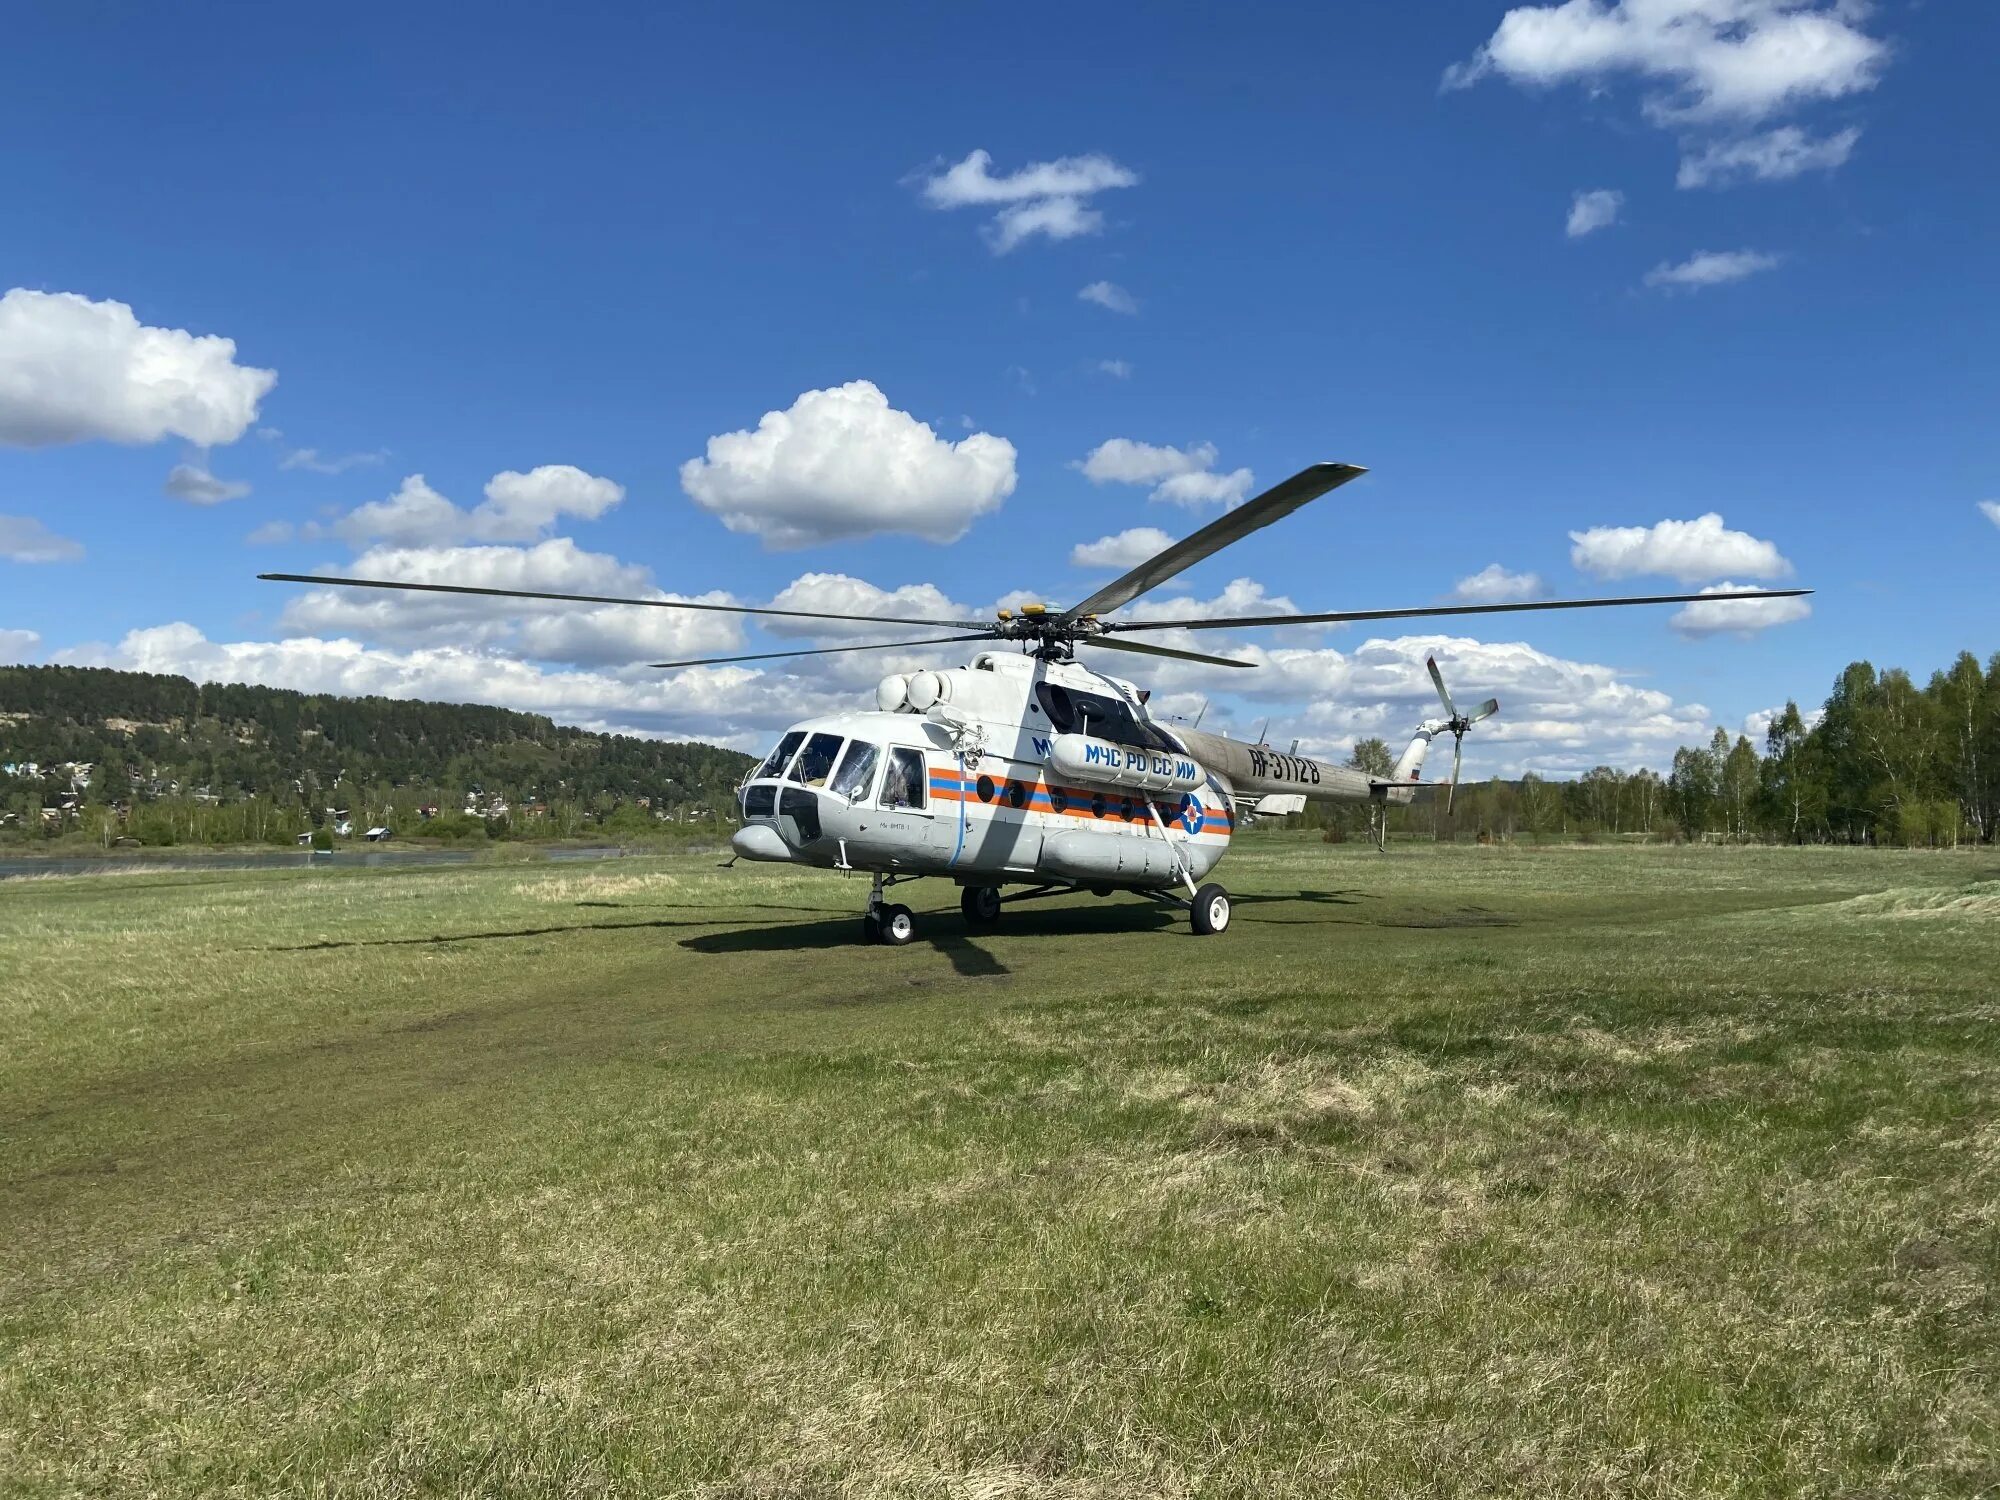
point(575, 247)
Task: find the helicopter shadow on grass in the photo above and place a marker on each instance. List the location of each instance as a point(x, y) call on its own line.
point(1249, 906)
point(943, 931)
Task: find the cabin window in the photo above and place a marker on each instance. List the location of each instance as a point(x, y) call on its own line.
point(760, 802)
point(1073, 712)
point(815, 762)
point(903, 782)
point(787, 748)
point(857, 770)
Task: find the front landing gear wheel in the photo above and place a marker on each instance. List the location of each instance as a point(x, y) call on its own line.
point(1211, 911)
point(899, 925)
point(981, 904)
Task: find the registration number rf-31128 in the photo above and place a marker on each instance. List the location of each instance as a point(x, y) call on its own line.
point(1269, 765)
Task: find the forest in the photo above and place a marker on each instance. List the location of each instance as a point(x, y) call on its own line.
point(1882, 761)
point(173, 761)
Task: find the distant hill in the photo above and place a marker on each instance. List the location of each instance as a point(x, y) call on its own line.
point(149, 737)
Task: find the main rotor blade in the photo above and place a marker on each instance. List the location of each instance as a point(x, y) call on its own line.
point(1437, 681)
point(1152, 650)
point(1246, 622)
point(717, 661)
point(722, 609)
point(1273, 505)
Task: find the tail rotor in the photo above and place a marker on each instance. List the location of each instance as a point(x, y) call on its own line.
point(1457, 723)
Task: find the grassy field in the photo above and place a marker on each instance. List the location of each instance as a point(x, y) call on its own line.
point(1446, 1172)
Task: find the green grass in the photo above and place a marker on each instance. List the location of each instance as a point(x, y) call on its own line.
point(1447, 1172)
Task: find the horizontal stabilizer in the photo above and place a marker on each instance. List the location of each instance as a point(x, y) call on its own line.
point(1279, 804)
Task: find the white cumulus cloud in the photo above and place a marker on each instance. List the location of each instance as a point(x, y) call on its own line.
point(1181, 476)
point(842, 462)
point(517, 508)
point(19, 645)
point(23, 539)
point(840, 594)
point(1111, 296)
point(1710, 268)
point(1558, 717)
point(543, 630)
point(1690, 551)
point(1991, 510)
point(310, 460)
point(1124, 549)
point(1757, 724)
point(1117, 369)
point(196, 485)
point(72, 369)
point(1741, 617)
point(1773, 156)
point(1709, 59)
point(722, 705)
point(1493, 584)
point(1593, 210)
point(1049, 198)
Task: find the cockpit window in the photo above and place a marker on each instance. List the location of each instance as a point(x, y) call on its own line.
point(903, 782)
point(1074, 712)
point(815, 762)
point(857, 770)
point(787, 748)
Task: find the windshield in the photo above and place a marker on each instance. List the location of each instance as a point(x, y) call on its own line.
point(775, 761)
point(857, 771)
point(815, 762)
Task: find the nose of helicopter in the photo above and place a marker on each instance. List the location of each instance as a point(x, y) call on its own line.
point(760, 841)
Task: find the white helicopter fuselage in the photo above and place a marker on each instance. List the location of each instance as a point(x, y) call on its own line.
point(1014, 769)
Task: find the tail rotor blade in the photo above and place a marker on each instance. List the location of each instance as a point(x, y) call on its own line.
point(1457, 756)
point(1437, 681)
point(1485, 710)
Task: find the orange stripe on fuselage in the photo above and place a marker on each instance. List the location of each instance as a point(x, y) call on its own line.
point(947, 786)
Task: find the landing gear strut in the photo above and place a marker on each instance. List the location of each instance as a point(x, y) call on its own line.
point(981, 904)
point(886, 922)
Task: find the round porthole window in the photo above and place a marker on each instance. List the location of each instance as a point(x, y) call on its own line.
point(1017, 794)
point(1057, 800)
point(985, 789)
point(1097, 806)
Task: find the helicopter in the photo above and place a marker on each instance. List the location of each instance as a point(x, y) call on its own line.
point(1028, 773)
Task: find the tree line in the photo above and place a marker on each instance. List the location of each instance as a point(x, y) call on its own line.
point(1885, 761)
point(175, 761)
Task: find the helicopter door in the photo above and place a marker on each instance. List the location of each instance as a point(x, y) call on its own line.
point(907, 818)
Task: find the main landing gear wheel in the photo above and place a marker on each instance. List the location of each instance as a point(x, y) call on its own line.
point(897, 925)
point(981, 904)
point(1210, 912)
